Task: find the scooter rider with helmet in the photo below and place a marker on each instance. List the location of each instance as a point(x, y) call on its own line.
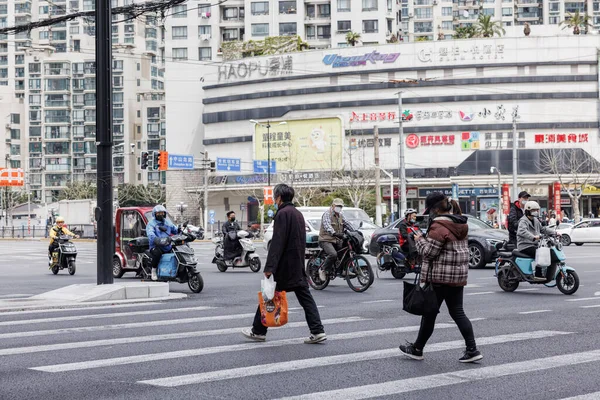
point(529, 232)
point(57, 231)
point(407, 226)
point(159, 227)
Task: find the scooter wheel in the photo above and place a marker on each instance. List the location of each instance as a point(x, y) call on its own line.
point(255, 265)
point(569, 283)
point(397, 273)
point(221, 266)
point(55, 269)
point(72, 268)
point(196, 283)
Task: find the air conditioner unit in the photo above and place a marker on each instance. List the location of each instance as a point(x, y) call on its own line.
point(410, 15)
point(36, 58)
point(7, 126)
point(435, 3)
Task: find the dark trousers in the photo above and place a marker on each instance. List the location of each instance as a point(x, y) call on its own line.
point(155, 255)
point(311, 312)
point(453, 296)
point(530, 251)
point(52, 248)
point(331, 250)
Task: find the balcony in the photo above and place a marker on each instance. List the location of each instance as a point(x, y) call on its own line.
point(58, 103)
point(57, 120)
point(528, 16)
point(468, 4)
point(57, 71)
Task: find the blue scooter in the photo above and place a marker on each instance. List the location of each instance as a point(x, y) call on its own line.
point(513, 268)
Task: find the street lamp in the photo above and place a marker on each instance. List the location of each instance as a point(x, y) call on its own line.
point(391, 176)
point(181, 207)
point(268, 126)
point(494, 170)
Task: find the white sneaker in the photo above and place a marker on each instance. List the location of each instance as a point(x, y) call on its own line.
point(248, 333)
point(318, 338)
point(322, 275)
point(154, 276)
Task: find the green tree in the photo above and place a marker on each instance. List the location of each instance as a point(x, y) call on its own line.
point(352, 38)
point(465, 32)
point(130, 195)
point(577, 21)
point(79, 191)
point(422, 39)
point(487, 28)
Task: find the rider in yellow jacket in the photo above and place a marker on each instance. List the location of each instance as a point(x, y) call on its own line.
point(57, 231)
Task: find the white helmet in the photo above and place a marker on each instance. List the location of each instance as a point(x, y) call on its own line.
point(410, 211)
point(532, 205)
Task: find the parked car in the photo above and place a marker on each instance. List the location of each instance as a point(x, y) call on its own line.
point(586, 231)
point(482, 239)
point(312, 238)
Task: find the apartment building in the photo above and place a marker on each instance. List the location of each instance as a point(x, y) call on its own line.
point(48, 96)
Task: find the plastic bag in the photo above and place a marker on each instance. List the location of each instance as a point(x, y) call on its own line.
point(273, 312)
point(542, 257)
point(267, 287)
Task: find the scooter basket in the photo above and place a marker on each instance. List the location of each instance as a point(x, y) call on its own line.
point(167, 267)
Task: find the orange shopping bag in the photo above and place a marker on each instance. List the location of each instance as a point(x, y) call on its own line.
point(274, 312)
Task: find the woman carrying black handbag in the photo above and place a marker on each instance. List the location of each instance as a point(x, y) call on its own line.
point(445, 251)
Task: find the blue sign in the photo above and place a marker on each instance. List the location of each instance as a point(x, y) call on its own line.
point(270, 213)
point(229, 164)
point(211, 220)
point(462, 192)
point(211, 213)
point(455, 191)
point(262, 167)
point(181, 161)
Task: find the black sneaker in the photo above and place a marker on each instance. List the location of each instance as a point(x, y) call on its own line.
point(410, 351)
point(471, 356)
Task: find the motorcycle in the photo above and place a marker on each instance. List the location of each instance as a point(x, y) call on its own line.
point(349, 265)
point(248, 258)
point(515, 267)
point(64, 256)
point(185, 260)
point(391, 258)
point(197, 231)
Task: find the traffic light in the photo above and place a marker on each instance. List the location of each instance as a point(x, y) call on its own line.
point(213, 166)
point(163, 161)
point(144, 160)
point(155, 160)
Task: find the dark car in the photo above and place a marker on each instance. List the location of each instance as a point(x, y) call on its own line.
point(482, 239)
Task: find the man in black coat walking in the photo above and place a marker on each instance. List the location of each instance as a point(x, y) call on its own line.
point(286, 262)
point(515, 215)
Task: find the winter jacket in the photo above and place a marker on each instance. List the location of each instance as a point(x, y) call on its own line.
point(528, 229)
point(446, 251)
point(406, 228)
point(515, 215)
point(153, 231)
point(332, 223)
point(286, 253)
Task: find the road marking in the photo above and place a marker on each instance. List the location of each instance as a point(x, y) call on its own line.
point(477, 293)
point(452, 378)
point(54, 310)
point(534, 312)
point(529, 290)
point(100, 316)
point(378, 301)
point(584, 299)
point(588, 396)
point(16, 295)
point(472, 285)
point(156, 338)
point(255, 370)
point(594, 306)
point(300, 308)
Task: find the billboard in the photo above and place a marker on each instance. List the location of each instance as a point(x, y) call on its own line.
point(301, 145)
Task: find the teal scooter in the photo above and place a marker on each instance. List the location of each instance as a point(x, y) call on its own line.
point(515, 267)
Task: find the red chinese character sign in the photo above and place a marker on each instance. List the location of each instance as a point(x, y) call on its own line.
point(505, 199)
point(556, 196)
point(413, 141)
point(268, 195)
point(561, 138)
point(380, 116)
point(12, 177)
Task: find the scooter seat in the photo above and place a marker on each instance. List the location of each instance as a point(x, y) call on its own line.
point(505, 254)
point(518, 254)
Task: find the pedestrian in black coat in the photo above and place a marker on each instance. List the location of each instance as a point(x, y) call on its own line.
point(285, 261)
point(515, 215)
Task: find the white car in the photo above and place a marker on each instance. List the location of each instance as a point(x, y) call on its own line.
point(587, 231)
point(312, 237)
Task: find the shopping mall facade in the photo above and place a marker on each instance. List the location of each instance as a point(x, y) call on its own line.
point(459, 98)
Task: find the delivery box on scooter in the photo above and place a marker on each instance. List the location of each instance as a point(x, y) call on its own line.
point(167, 267)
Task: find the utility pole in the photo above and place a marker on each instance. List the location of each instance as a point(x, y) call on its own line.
point(514, 158)
point(104, 142)
point(378, 218)
point(401, 161)
point(206, 176)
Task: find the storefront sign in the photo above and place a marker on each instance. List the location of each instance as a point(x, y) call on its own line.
point(557, 199)
point(462, 192)
point(455, 191)
point(380, 116)
point(337, 61)
point(303, 176)
point(424, 115)
point(502, 140)
point(562, 138)
point(273, 66)
point(536, 190)
point(462, 53)
point(413, 141)
point(411, 193)
point(505, 199)
point(355, 143)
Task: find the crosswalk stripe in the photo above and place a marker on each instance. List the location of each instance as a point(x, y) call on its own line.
point(68, 309)
point(588, 396)
point(110, 362)
point(534, 312)
point(583, 298)
point(452, 378)
point(107, 315)
point(477, 293)
point(255, 370)
point(152, 338)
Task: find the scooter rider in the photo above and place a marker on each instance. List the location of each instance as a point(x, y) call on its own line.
point(331, 234)
point(159, 227)
point(407, 226)
point(515, 215)
point(529, 232)
point(55, 232)
point(231, 244)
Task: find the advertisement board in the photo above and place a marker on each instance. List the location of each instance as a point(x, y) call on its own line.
point(301, 145)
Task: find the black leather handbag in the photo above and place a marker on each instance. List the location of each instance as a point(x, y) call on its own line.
point(419, 300)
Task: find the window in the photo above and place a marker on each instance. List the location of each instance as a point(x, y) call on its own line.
point(230, 34)
point(260, 29)
point(344, 26)
point(371, 26)
point(287, 29)
point(287, 7)
point(507, 12)
point(551, 21)
point(3, 73)
point(311, 32)
point(204, 53)
point(179, 32)
point(43, 35)
point(74, 30)
point(204, 30)
point(35, 84)
point(35, 131)
point(324, 10)
point(369, 5)
point(575, 7)
point(204, 11)
point(260, 8)
point(15, 149)
point(447, 25)
point(118, 97)
point(15, 134)
point(230, 13)
point(447, 11)
point(15, 119)
point(310, 10)
point(489, 11)
point(324, 32)
point(179, 11)
point(180, 53)
point(421, 27)
point(19, 59)
point(153, 112)
point(343, 5)
point(423, 13)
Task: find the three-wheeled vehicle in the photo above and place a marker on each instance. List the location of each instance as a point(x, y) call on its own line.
point(131, 248)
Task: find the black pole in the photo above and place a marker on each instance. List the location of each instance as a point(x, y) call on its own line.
point(268, 153)
point(104, 141)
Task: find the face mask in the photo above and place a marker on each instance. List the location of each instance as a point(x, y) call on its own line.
point(535, 213)
point(232, 219)
point(160, 218)
point(337, 209)
point(413, 220)
point(276, 207)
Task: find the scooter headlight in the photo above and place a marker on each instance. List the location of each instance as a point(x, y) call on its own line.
point(559, 246)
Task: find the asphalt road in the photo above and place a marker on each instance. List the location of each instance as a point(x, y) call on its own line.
point(537, 342)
